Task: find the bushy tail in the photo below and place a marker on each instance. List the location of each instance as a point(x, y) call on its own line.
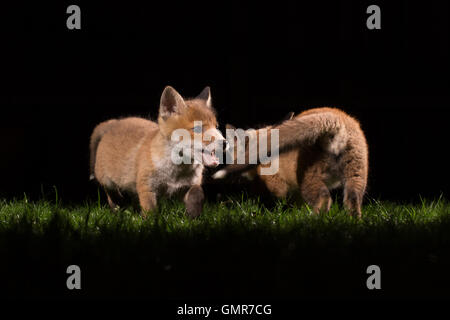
point(302, 130)
point(307, 129)
point(96, 136)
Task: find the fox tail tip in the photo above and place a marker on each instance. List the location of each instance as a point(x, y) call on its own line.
point(219, 174)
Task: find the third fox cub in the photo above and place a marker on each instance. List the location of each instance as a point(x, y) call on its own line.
point(320, 149)
point(135, 155)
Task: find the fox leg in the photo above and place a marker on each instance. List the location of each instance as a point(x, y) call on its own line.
point(111, 202)
point(114, 199)
point(277, 186)
point(193, 201)
point(353, 195)
point(355, 173)
point(315, 193)
point(147, 199)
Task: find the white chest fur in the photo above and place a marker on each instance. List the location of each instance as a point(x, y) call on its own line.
point(169, 178)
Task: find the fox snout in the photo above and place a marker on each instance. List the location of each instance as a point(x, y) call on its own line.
point(210, 153)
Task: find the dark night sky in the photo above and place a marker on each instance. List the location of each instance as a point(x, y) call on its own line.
point(261, 61)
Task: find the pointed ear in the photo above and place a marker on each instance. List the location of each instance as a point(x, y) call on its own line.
point(235, 136)
point(171, 102)
point(206, 95)
point(289, 116)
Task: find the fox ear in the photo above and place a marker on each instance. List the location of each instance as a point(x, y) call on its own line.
point(206, 95)
point(231, 127)
point(289, 116)
point(171, 102)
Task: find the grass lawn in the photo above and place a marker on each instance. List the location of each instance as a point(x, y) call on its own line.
point(237, 248)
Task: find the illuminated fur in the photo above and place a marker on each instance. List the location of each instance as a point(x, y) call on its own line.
point(133, 155)
point(320, 149)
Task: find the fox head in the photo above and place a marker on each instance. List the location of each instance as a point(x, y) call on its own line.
point(244, 151)
point(241, 138)
point(191, 125)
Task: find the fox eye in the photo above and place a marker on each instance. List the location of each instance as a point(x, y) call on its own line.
point(197, 129)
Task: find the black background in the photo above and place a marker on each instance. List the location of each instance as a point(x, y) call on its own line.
point(261, 60)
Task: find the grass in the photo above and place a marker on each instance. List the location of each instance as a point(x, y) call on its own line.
point(236, 248)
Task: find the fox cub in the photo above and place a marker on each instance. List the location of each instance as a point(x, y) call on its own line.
point(134, 156)
point(320, 149)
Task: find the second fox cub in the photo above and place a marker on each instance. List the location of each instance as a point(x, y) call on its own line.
point(134, 155)
point(320, 149)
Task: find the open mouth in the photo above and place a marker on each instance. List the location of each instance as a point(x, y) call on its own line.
point(209, 158)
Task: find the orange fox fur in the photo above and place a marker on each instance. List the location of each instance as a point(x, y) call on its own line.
point(320, 149)
point(133, 155)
